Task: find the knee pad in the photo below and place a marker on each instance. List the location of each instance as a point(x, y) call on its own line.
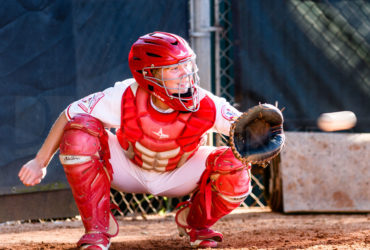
point(85, 140)
point(228, 176)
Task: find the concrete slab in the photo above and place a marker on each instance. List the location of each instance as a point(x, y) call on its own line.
point(326, 172)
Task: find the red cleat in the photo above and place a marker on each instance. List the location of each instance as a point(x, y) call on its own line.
point(199, 238)
point(94, 241)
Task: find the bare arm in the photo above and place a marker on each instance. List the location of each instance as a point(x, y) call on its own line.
point(33, 171)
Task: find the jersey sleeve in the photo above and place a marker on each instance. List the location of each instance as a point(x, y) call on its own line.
point(105, 105)
point(225, 114)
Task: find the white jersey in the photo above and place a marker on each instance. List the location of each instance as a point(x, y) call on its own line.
point(106, 106)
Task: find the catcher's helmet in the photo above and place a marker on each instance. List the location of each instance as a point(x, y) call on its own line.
point(158, 51)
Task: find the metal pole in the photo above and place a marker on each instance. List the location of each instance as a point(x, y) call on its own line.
point(217, 49)
point(200, 34)
point(218, 140)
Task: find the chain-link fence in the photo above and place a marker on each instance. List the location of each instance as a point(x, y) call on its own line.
point(341, 29)
point(224, 86)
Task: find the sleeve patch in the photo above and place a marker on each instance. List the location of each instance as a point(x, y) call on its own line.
point(88, 103)
point(228, 113)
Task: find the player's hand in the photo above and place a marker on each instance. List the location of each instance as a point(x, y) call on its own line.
point(32, 173)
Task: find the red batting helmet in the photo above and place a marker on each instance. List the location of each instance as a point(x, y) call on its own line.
point(160, 50)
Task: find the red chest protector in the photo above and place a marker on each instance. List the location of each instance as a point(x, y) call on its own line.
point(159, 141)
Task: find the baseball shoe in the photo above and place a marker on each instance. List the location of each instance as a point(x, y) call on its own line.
point(94, 241)
point(199, 238)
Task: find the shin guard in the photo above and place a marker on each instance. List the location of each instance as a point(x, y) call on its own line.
point(84, 154)
point(223, 187)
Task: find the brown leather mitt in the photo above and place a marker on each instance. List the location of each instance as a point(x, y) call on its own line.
point(257, 135)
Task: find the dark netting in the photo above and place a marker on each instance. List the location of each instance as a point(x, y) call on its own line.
point(310, 56)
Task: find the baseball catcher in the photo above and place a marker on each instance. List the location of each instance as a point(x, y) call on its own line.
point(161, 117)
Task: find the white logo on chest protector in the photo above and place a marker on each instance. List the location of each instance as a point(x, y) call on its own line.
point(160, 134)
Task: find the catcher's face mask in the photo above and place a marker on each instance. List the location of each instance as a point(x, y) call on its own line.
point(179, 81)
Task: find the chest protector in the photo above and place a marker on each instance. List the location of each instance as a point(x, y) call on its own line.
point(161, 141)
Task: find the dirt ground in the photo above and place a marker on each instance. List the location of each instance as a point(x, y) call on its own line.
point(243, 229)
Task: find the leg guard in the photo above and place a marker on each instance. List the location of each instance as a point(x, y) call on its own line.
point(223, 187)
point(84, 154)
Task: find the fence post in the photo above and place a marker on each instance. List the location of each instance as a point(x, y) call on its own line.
point(200, 38)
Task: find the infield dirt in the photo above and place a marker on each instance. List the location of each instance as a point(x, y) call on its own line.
point(253, 228)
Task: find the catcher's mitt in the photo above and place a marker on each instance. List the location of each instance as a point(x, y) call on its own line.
point(257, 135)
